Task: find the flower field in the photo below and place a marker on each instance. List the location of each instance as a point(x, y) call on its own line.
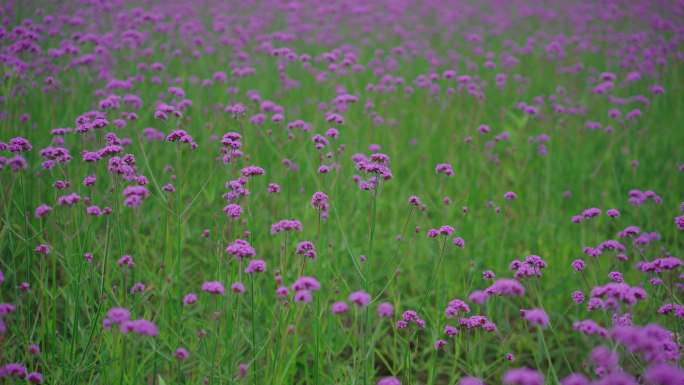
point(387, 192)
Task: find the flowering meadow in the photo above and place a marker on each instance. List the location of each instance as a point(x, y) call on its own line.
point(386, 192)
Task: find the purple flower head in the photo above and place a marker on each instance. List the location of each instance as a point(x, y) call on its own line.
point(250, 171)
point(577, 296)
point(42, 249)
point(446, 230)
point(591, 213)
point(478, 297)
point(126, 261)
point(506, 287)
point(664, 374)
point(385, 310)
point(14, 369)
point(652, 342)
point(303, 296)
point(455, 306)
point(237, 288)
point(604, 357)
point(233, 210)
point(42, 211)
point(213, 287)
point(536, 317)
point(138, 287)
point(578, 265)
point(523, 376)
point(450, 331)
point(34, 378)
point(255, 266)
point(575, 379)
point(141, 327)
point(470, 381)
point(286, 225)
point(306, 283)
point(477, 322)
point(360, 298)
point(319, 201)
point(679, 222)
point(616, 276)
point(339, 307)
point(240, 249)
point(389, 381)
point(444, 168)
point(190, 299)
point(181, 354)
point(414, 201)
point(306, 249)
point(118, 315)
point(510, 195)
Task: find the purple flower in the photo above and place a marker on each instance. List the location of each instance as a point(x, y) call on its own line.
point(664, 374)
point(389, 381)
point(470, 381)
point(444, 168)
point(339, 307)
point(237, 288)
point(240, 249)
point(286, 225)
point(303, 296)
point(615, 276)
point(42, 249)
point(385, 310)
point(360, 298)
point(577, 296)
point(575, 379)
point(34, 349)
point(138, 287)
point(190, 299)
point(478, 297)
point(127, 261)
point(233, 210)
point(255, 266)
point(455, 306)
point(591, 213)
point(35, 378)
point(213, 287)
point(523, 376)
point(506, 287)
point(604, 357)
point(42, 211)
point(536, 317)
point(14, 369)
point(679, 221)
point(306, 249)
point(118, 315)
point(510, 195)
point(450, 331)
point(141, 327)
point(181, 354)
point(439, 344)
point(306, 283)
point(578, 265)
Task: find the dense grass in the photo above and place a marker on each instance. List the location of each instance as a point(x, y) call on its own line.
point(281, 341)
